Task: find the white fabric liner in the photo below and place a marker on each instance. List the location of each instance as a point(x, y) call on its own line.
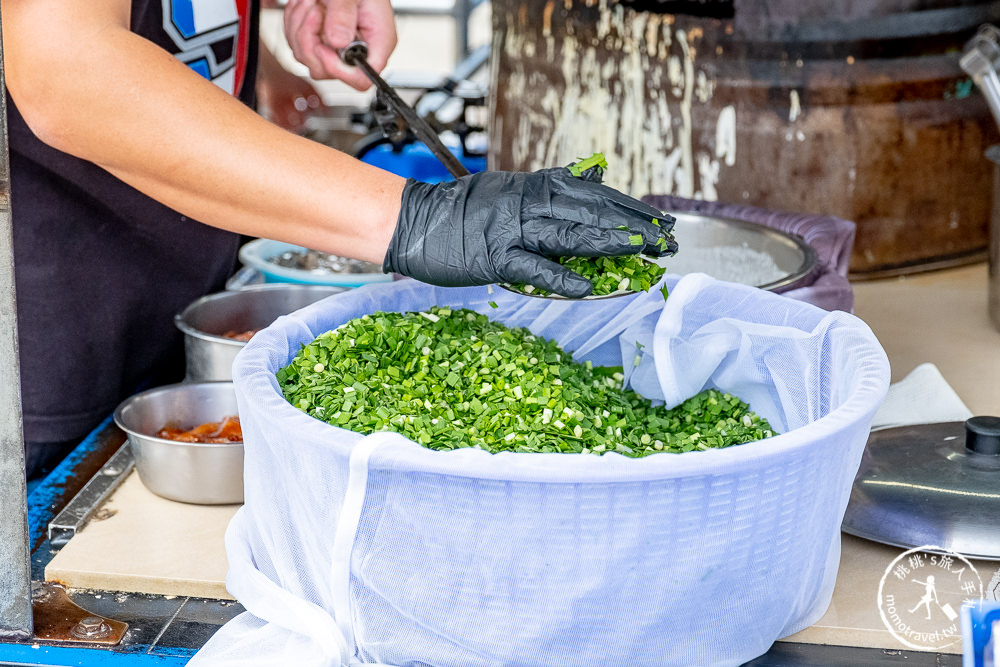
point(376, 551)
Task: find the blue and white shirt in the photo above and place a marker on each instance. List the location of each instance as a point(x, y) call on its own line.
point(211, 36)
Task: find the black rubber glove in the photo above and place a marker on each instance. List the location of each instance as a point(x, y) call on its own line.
point(502, 227)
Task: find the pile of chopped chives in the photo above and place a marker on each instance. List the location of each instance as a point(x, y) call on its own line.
point(452, 378)
point(608, 275)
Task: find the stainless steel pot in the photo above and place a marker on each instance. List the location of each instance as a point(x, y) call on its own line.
point(208, 353)
point(205, 474)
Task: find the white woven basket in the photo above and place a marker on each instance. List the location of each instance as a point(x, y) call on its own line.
point(374, 550)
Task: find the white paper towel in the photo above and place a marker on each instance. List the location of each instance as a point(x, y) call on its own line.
point(922, 397)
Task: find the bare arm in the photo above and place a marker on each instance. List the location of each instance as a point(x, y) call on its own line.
point(98, 91)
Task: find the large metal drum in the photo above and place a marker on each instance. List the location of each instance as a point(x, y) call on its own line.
point(853, 109)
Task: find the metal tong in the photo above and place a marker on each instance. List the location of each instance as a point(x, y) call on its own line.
point(356, 54)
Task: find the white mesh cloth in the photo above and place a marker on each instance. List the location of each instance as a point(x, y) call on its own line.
point(376, 551)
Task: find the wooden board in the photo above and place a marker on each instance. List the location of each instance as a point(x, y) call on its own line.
point(142, 543)
point(939, 317)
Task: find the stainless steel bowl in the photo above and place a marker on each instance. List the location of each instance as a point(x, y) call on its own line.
point(206, 474)
point(208, 353)
point(739, 251)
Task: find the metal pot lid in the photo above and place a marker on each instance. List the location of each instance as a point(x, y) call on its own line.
point(739, 251)
point(931, 484)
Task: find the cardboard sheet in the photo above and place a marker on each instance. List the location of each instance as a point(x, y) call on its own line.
point(139, 542)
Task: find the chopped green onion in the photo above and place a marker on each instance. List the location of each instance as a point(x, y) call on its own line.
point(457, 379)
point(583, 164)
point(606, 274)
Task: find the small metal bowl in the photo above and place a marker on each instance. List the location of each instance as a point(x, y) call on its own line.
point(204, 474)
point(208, 352)
point(560, 297)
point(737, 251)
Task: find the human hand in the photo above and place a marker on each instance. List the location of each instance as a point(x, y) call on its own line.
point(316, 29)
point(503, 227)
